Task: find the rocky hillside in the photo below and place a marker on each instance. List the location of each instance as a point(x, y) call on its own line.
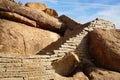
point(37, 44)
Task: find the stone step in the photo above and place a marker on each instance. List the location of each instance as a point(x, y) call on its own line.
point(58, 51)
point(55, 58)
point(10, 60)
point(68, 41)
point(10, 65)
point(46, 63)
point(35, 78)
point(23, 69)
point(75, 39)
point(48, 68)
point(61, 54)
point(66, 49)
point(79, 35)
point(63, 51)
point(68, 46)
point(19, 78)
point(21, 74)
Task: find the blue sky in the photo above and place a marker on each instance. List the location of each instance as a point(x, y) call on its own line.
point(85, 10)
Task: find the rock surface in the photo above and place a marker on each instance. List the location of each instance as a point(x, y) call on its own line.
point(95, 73)
point(17, 18)
point(72, 27)
point(22, 39)
point(42, 19)
point(68, 59)
point(66, 65)
point(36, 5)
point(80, 76)
point(104, 46)
point(77, 76)
point(51, 12)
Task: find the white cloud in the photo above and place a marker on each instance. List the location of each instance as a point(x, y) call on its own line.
point(49, 1)
point(85, 11)
point(111, 13)
point(44, 1)
point(81, 12)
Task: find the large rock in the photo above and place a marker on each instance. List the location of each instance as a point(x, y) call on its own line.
point(36, 5)
point(104, 46)
point(70, 62)
point(59, 77)
point(95, 73)
point(22, 39)
point(80, 76)
point(42, 19)
point(77, 76)
point(72, 26)
point(17, 18)
point(51, 12)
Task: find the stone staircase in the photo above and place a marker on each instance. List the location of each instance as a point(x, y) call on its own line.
point(38, 67)
point(76, 44)
point(79, 43)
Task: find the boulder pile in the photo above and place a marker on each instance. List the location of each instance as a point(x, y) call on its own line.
point(38, 44)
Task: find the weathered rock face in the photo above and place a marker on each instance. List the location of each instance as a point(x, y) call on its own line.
point(36, 5)
point(51, 12)
point(17, 18)
point(72, 27)
point(22, 39)
point(104, 46)
point(59, 77)
point(66, 65)
point(80, 76)
point(77, 76)
point(95, 73)
point(42, 19)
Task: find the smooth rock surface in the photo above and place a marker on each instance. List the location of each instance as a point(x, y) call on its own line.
point(95, 73)
point(77, 76)
point(36, 5)
point(80, 76)
point(42, 19)
point(51, 12)
point(17, 18)
point(66, 65)
point(104, 46)
point(22, 39)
